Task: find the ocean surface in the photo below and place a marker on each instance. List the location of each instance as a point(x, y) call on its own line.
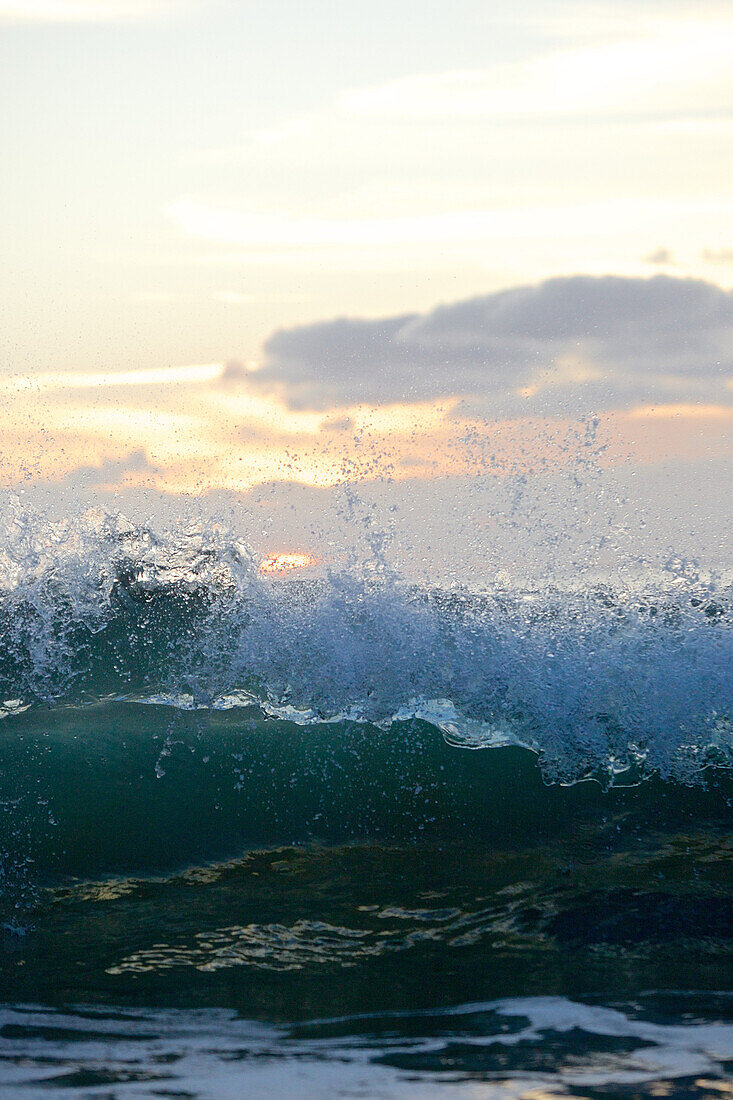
point(343, 834)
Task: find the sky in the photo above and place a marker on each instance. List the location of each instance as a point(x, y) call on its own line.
point(251, 243)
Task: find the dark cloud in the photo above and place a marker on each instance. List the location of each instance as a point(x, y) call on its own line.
point(337, 424)
point(112, 470)
point(591, 341)
point(319, 366)
point(718, 255)
point(233, 371)
point(661, 256)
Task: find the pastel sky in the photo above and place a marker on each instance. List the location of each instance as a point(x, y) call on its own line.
point(240, 238)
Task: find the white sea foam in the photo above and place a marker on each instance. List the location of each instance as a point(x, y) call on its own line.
point(214, 1055)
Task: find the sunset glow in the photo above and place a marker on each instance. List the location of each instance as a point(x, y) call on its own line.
point(254, 283)
point(286, 563)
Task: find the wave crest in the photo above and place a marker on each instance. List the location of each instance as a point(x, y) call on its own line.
point(598, 680)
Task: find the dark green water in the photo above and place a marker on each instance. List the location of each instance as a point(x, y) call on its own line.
point(291, 873)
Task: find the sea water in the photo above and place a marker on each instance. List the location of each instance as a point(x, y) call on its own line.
point(354, 834)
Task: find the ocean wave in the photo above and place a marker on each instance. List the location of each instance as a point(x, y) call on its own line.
point(597, 680)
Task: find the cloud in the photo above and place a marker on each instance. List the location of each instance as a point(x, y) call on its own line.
point(337, 424)
point(541, 235)
point(658, 70)
point(220, 224)
point(82, 11)
point(571, 342)
point(660, 257)
point(131, 468)
point(718, 255)
point(13, 384)
point(234, 371)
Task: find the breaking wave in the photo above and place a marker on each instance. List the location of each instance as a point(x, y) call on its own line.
point(609, 682)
